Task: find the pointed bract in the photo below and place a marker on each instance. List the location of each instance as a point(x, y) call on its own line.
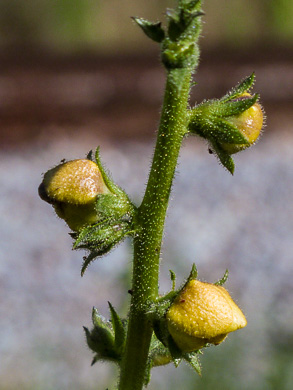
point(119, 331)
point(152, 30)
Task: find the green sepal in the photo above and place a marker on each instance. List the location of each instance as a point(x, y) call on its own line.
point(100, 238)
point(224, 132)
point(192, 359)
point(117, 192)
point(176, 353)
point(119, 330)
point(235, 107)
point(106, 177)
point(223, 280)
point(98, 320)
point(147, 374)
point(114, 205)
point(193, 273)
point(242, 87)
point(88, 259)
point(192, 276)
point(225, 158)
point(152, 30)
point(173, 279)
point(208, 121)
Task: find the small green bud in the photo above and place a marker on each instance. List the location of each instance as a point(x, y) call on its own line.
point(230, 124)
point(101, 339)
point(107, 338)
point(202, 313)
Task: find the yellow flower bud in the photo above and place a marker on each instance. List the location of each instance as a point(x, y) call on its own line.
point(202, 313)
point(249, 123)
point(72, 188)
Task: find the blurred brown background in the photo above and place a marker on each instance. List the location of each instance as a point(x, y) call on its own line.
point(69, 62)
point(75, 74)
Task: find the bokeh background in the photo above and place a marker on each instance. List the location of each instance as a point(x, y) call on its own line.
point(75, 74)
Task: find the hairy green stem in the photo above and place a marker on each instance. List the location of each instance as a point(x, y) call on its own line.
point(151, 218)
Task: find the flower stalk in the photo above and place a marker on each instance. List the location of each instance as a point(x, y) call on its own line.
point(151, 218)
point(152, 211)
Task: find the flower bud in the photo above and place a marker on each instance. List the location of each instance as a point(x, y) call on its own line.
point(249, 123)
point(72, 188)
point(202, 313)
point(230, 124)
point(107, 338)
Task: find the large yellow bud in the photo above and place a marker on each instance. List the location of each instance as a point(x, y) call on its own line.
point(72, 188)
point(202, 313)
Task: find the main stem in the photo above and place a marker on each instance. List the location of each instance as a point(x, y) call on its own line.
point(150, 220)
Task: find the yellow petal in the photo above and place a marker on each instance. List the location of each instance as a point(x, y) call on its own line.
point(203, 313)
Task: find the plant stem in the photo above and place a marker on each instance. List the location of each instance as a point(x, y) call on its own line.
point(151, 218)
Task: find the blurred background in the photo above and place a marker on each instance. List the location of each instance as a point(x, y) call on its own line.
point(75, 74)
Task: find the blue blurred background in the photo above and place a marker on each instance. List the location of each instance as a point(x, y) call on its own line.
point(75, 74)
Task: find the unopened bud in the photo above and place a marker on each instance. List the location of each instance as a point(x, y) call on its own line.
point(72, 188)
point(202, 313)
point(230, 124)
point(249, 123)
point(76, 182)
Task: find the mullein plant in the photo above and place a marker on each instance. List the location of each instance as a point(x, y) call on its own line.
point(177, 326)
